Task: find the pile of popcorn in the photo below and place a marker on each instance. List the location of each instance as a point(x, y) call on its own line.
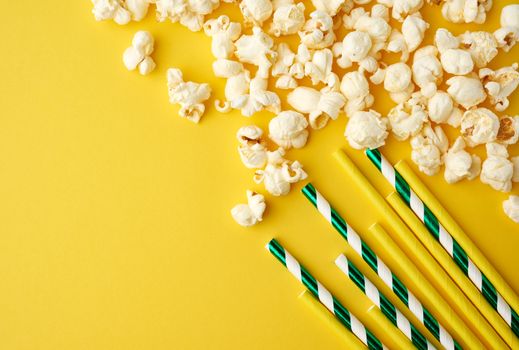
point(421, 108)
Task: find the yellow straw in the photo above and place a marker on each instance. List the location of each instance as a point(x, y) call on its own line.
point(455, 230)
point(419, 255)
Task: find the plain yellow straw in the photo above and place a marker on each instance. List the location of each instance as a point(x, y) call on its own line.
point(390, 330)
point(455, 230)
point(452, 269)
point(419, 255)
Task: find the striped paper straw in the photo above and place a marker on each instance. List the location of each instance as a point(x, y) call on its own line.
point(325, 297)
point(388, 309)
point(446, 240)
point(380, 268)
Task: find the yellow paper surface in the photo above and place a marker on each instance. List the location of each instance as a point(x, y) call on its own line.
point(115, 230)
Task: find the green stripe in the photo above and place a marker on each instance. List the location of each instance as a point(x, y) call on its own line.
point(431, 223)
point(376, 157)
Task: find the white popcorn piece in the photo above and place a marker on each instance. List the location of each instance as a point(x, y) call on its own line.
point(440, 107)
point(511, 208)
point(508, 34)
point(404, 8)
point(288, 129)
point(255, 12)
point(225, 68)
point(252, 148)
point(459, 164)
point(121, 11)
point(407, 118)
point(319, 67)
point(288, 19)
point(413, 30)
point(466, 91)
point(481, 45)
point(256, 49)
point(355, 87)
point(457, 61)
point(397, 77)
point(251, 213)
point(497, 171)
point(396, 43)
point(466, 11)
point(189, 95)
point(138, 55)
point(515, 162)
point(223, 33)
point(355, 47)
point(279, 173)
point(321, 106)
point(445, 40)
point(332, 7)
point(454, 119)
point(500, 84)
point(366, 130)
point(317, 32)
point(427, 70)
point(508, 133)
point(190, 14)
point(479, 126)
point(250, 95)
point(428, 147)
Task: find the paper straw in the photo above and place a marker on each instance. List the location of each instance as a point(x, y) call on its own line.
point(380, 268)
point(415, 252)
point(457, 232)
point(388, 309)
point(325, 297)
point(446, 240)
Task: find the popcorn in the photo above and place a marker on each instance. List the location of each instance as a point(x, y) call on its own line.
point(456, 61)
point(279, 173)
point(508, 133)
point(466, 91)
point(332, 7)
point(252, 148)
point(256, 49)
point(407, 118)
point(397, 43)
point(466, 11)
point(317, 32)
point(427, 70)
point(497, 170)
point(355, 47)
point(189, 95)
point(188, 13)
point(459, 164)
point(321, 106)
point(289, 66)
point(428, 147)
point(366, 130)
point(121, 11)
point(445, 40)
point(355, 87)
point(500, 84)
point(397, 77)
point(375, 25)
point(479, 126)
point(288, 19)
point(253, 96)
point(288, 129)
point(515, 162)
point(319, 67)
point(138, 55)
point(224, 33)
point(224, 68)
point(508, 34)
point(440, 107)
point(404, 8)
point(511, 208)
point(255, 12)
point(413, 30)
point(251, 213)
point(481, 45)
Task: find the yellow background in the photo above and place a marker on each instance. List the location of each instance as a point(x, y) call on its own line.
point(115, 230)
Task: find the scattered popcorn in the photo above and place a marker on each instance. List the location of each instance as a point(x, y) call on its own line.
point(511, 208)
point(397, 77)
point(440, 107)
point(251, 213)
point(404, 8)
point(121, 11)
point(508, 133)
point(396, 43)
point(508, 34)
point(497, 170)
point(332, 7)
point(466, 91)
point(288, 129)
point(255, 12)
point(500, 84)
point(428, 147)
point(515, 162)
point(224, 68)
point(445, 40)
point(481, 45)
point(378, 28)
point(279, 173)
point(355, 87)
point(252, 147)
point(466, 11)
point(288, 19)
point(189, 95)
point(188, 13)
point(479, 126)
point(456, 61)
point(406, 119)
point(317, 32)
point(253, 97)
point(459, 164)
point(320, 106)
point(138, 55)
point(319, 67)
point(366, 130)
point(413, 30)
point(427, 70)
point(224, 33)
point(354, 48)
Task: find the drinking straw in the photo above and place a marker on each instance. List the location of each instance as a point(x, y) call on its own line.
point(460, 256)
point(347, 319)
point(388, 309)
point(425, 262)
point(380, 268)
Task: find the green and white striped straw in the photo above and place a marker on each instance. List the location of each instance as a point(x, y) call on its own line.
point(388, 309)
point(347, 319)
point(380, 268)
point(446, 240)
